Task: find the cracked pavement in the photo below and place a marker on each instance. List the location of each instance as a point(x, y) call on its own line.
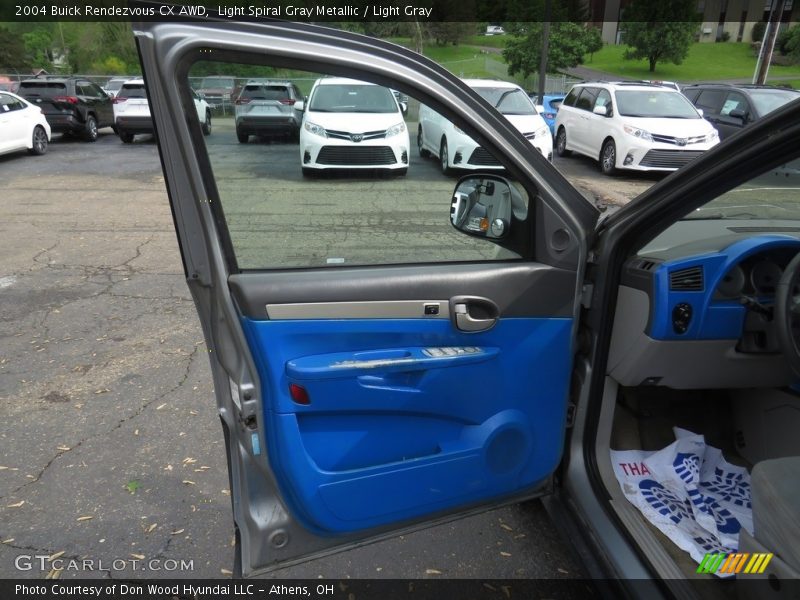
point(112, 449)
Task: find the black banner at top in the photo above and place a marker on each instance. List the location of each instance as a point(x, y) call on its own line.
point(310, 11)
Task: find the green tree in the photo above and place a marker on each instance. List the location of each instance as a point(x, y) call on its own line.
point(12, 52)
point(792, 43)
point(39, 48)
point(569, 42)
point(660, 31)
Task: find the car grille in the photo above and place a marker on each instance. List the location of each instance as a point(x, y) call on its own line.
point(350, 155)
point(668, 159)
point(347, 135)
point(482, 158)
point(668, 139)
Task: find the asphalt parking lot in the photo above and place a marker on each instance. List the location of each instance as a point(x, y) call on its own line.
point(112, 450)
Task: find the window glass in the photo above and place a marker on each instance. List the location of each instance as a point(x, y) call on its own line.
point(655, 104)
point(768, 100)
point(734, 101)
point(132, 90)
point(586, 99)
point(710, 100)
point(572, 96)
point(774, 195)
point(342, 183)
point(509, 101)
point(603, 99)
point(9, 103)
point(42, 88)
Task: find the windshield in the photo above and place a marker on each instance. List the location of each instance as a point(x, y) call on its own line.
point(768, 100)
point(509, 101)
point(359, 98)
point(660, 104)
point(217, 82)
point(773, 195)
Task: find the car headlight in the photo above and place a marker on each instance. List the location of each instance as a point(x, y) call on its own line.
point(714, 135)
point(396, 129)
point(542, 131)
point(639, 133)
point(315, 129)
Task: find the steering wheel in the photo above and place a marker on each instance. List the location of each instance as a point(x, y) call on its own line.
point(787, 313)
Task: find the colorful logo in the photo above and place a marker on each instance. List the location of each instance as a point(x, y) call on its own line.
point(735, 563)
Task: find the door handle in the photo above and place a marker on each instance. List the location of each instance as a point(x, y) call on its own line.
point(472, 314)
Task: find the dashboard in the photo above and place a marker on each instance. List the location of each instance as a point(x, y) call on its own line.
point(698, 314)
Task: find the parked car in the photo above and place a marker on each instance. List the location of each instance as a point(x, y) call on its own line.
point(361, 400)
point(22, 125)
point(549, 109)
point(354, 125)
point(438, 136)
point(266, 107)
point(113, 85)
point(217, 90)
point(70, 104)
point(642, 127)
point(132, 111)
point(731, 108)
point(495, 30)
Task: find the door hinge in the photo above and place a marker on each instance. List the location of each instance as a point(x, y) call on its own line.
point(571, 408)
point(586, 295)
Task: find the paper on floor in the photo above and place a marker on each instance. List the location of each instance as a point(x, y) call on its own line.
point(689, 492)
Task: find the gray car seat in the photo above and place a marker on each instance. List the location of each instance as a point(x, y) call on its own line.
point(775, 486)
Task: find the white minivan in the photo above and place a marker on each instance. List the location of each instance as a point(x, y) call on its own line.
point(639, 126)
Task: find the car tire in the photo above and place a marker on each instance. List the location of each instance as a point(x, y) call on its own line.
point(444, 158)
point(242, 137)
point(207, 124)
point(423, 152)
point(127, 138)
point(90, 129)
point(608, 158)
point(38, 141)
point(561, 142)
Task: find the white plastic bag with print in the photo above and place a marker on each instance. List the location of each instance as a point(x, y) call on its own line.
point(689, 492)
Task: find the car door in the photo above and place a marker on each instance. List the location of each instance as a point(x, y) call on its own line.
point(599, 126)
point(104, 104)
point(734, 114)
point(374, 369)
point(581, 121)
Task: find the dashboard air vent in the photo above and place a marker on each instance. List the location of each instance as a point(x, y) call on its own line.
point(687, 280)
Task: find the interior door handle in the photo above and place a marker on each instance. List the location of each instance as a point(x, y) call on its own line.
point(472, 314)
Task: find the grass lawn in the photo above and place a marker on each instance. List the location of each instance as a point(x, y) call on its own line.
point(489, 41)
point(465, 60)
point(705, 62)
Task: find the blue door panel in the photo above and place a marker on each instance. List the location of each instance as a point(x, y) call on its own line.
point(391, 433)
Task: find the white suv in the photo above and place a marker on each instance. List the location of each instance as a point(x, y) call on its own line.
point(353, 125)
point(640, 126)
point(132, 111)
point(456, 150)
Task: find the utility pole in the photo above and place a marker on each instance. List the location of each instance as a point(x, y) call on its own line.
point(545, 48)
point(768, 43)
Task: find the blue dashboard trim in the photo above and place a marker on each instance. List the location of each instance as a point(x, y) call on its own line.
point(712, 319)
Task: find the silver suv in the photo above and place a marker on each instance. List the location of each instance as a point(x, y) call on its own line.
point(269, 108)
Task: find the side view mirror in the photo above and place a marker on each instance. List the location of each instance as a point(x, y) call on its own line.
point(483, 206)
point(600, 110)
point(299, 105)
point(540, 109)
point(738, 114)
point(700, 111)
point(404, 108)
